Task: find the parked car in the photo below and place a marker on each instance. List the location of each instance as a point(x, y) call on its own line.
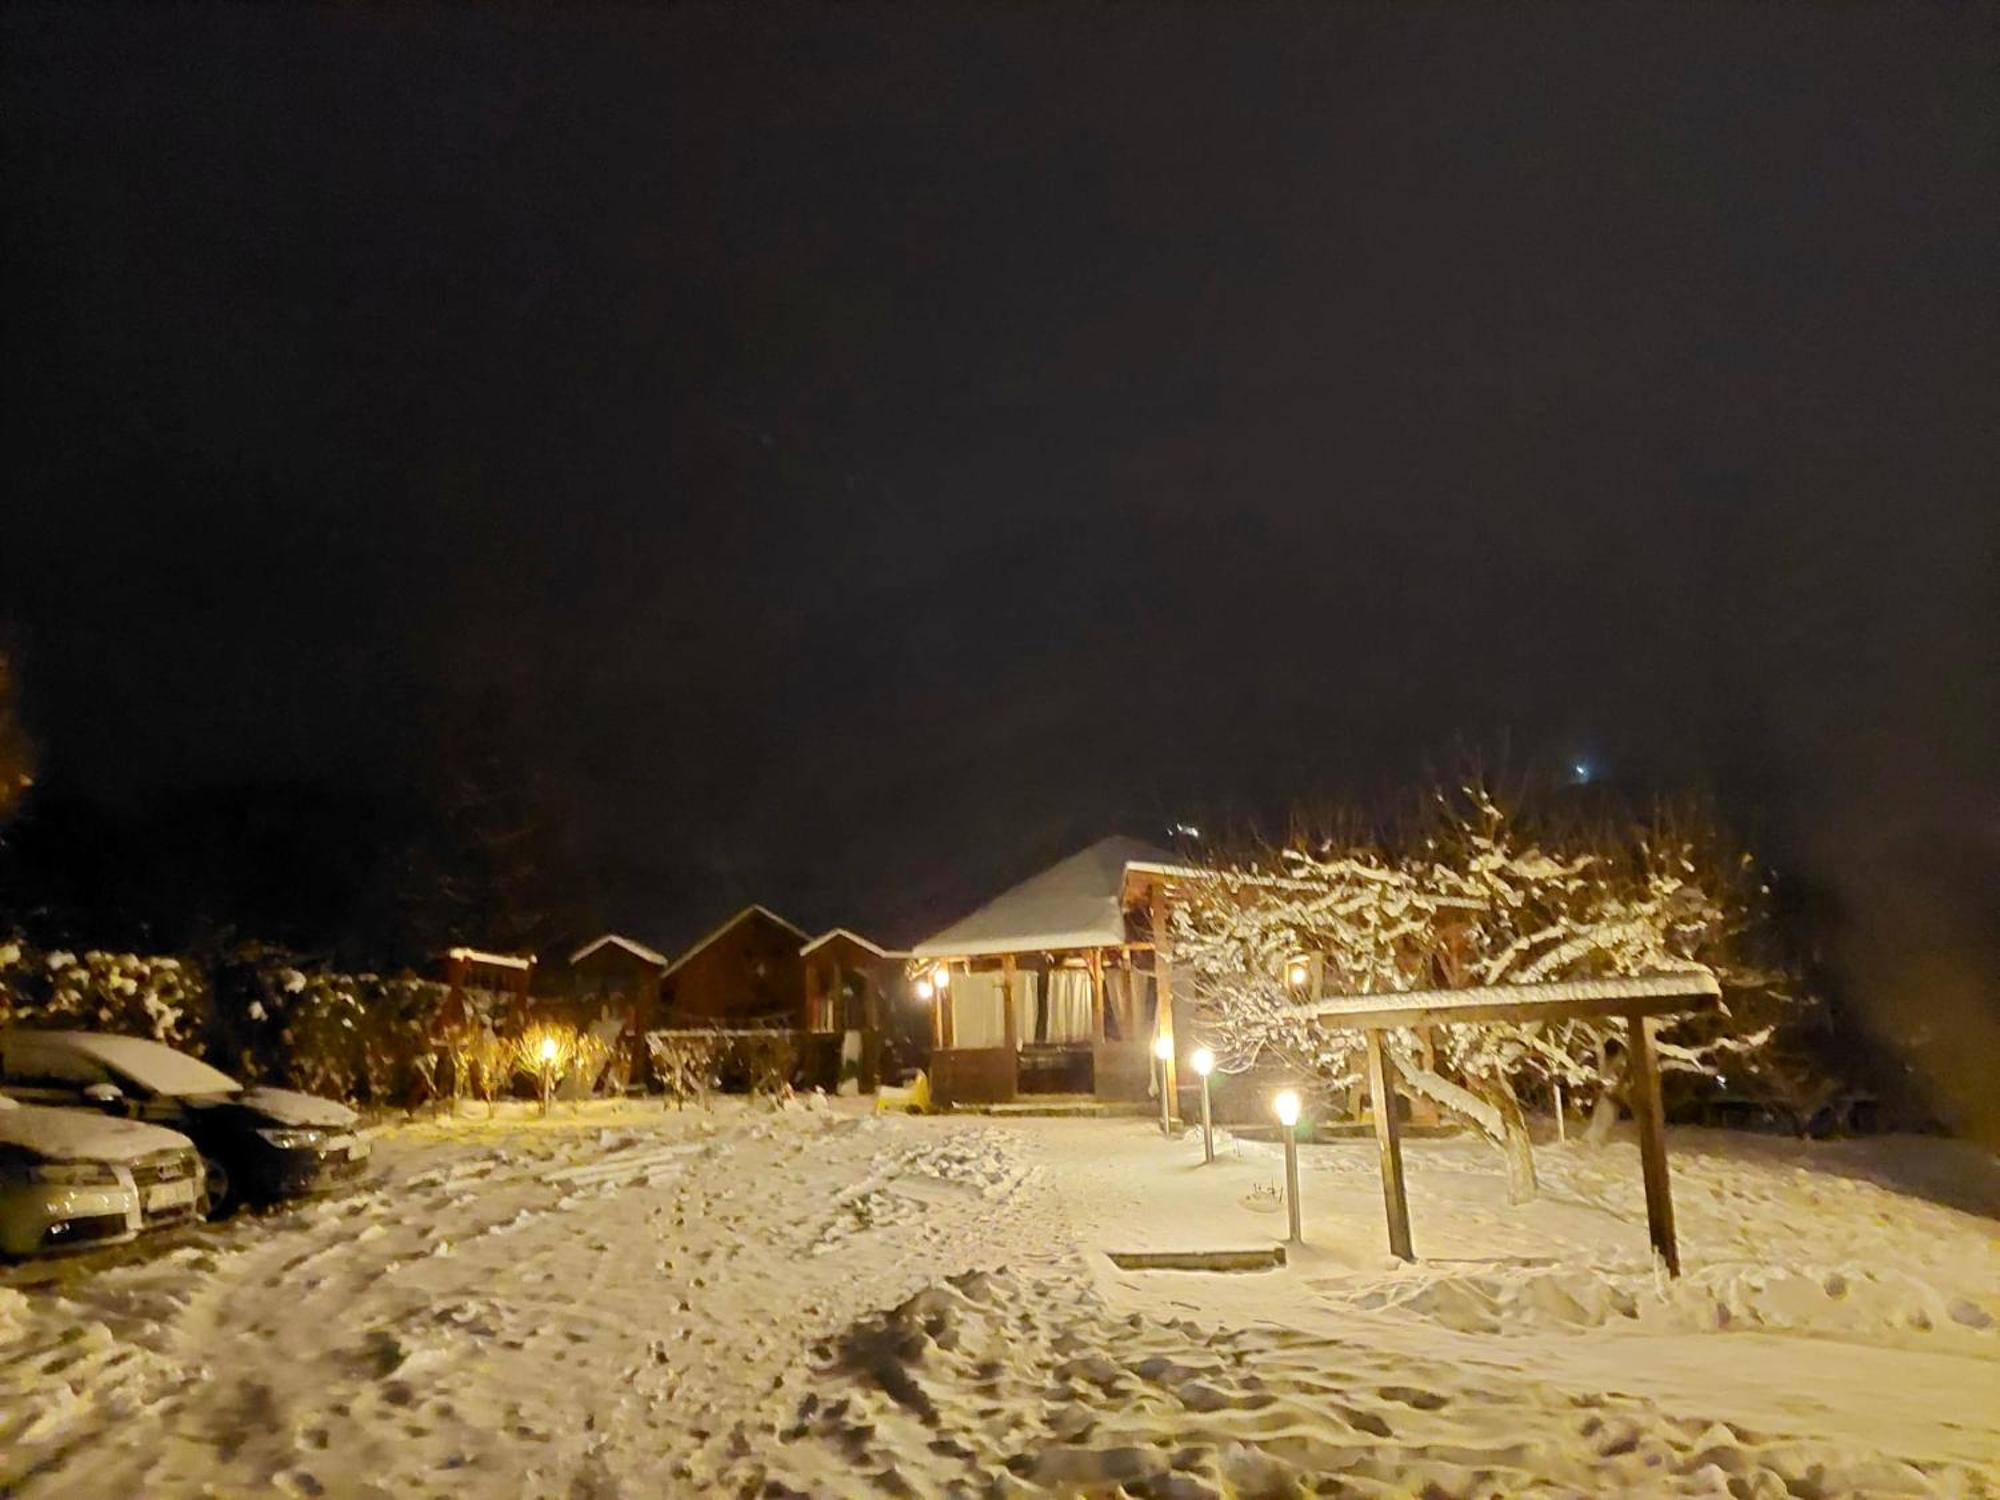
point(257, 1145)
point(70, 1179)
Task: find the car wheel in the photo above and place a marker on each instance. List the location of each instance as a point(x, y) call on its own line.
point(221, 1202)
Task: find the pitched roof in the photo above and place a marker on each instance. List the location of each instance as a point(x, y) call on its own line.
point(853, 937)
point(1076, 904)
point(636, 949)
point(751, 910)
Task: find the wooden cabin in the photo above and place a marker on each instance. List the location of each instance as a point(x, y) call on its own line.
point(1059, 985)
point(851, 988)
point(617, 972)
point(746, 972)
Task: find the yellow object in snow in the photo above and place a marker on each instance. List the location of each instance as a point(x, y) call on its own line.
point(915, 1100)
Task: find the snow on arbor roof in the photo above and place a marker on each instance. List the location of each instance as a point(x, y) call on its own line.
point(749, 911)
point(853, 937)
point(1076, 904)
point(637, 949)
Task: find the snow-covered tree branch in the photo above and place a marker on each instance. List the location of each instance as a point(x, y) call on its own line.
point(1477, 896)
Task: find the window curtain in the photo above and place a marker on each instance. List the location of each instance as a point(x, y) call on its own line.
point(1069, 1006)
point(976, 1019)
point(1024, 1006)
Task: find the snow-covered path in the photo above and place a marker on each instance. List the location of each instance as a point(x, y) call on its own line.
point(813, 1302)
point(532, 1309)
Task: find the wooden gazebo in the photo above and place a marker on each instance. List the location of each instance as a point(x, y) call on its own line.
point(1639, 1000)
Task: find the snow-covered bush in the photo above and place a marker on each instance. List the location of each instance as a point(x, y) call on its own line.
point(552, 1052)
point(1476, 897)
point(769, 1060)
point(134, 994)
point(688, 1064)
point(367, 1038)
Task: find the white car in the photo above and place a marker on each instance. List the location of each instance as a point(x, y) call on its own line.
point(69, 1178)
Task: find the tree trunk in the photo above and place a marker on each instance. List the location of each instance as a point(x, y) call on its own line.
point(1604, 1113)
point(1515, 1142)
point(1488, 1106)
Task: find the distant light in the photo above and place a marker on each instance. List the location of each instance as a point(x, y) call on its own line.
point(925, 989)
point(1185, 830)
point(1202, 1061)
point(941, 976)
point(549, 1049)
point(1298, 974)
point(1582, 772)
point(1286, 1107)
point(1163, 1047)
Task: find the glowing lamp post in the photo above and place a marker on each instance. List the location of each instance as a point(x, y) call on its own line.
point(1163, 1053)
point(1203, 1062)
point(1286, 1107)
point(547, 1052)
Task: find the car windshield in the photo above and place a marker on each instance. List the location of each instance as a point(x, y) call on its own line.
point(155, 1068)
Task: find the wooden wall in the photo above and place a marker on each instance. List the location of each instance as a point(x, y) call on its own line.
point(752, 971)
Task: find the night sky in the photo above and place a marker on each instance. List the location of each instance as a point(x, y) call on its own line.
point(860, 455)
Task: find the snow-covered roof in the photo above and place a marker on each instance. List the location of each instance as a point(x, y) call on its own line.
point(497, 960)
point(637, 949)
point(152, 1065)
point(1076, 904)
point(853, 937)
point(751, 910)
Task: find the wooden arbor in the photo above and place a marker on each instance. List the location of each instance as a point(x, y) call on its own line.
point(1640, 1001)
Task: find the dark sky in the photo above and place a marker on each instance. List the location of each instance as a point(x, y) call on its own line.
point(865, 453)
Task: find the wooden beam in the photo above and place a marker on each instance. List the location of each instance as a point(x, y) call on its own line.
point(1389, 1145)
point(1644, 1077)
point(1393, 1013)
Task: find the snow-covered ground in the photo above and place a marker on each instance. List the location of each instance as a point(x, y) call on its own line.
point(816, 1302)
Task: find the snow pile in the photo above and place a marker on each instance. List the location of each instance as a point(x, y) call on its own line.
point(903, 1183)
point(988, 1381)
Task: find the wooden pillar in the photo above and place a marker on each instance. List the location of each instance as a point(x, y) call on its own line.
point(1644, 1075)
point(1097, 995)
point(941, 1034)
point(1011, 1028)
point(1163, 998)
point(871, 1030)
point(1389, 1144)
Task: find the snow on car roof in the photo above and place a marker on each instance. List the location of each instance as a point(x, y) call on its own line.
point(152, 1065)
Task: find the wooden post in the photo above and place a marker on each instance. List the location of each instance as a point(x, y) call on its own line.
point(1163, 999)
point(1010, 1025)
point(941, 1029)
point(1097, 995)
point(1648, 1111)
point(1389, 1144)
point(871, 1030)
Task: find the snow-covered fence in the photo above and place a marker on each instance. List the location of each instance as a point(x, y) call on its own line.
point(136, 994)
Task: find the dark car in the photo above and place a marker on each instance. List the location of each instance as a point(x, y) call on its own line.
point(258, 1144)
